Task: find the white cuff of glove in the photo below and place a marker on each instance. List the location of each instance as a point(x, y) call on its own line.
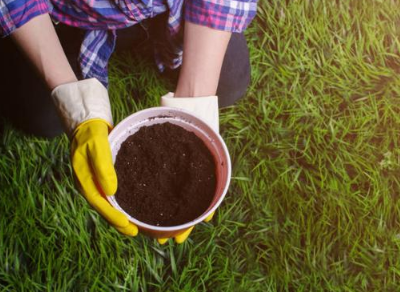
point(205, 107)
point(81, 101)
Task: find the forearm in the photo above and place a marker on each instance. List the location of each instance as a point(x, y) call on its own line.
point(203, 53)
point(39, 42)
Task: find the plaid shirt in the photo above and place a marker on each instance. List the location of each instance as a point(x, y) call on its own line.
point(100, 19)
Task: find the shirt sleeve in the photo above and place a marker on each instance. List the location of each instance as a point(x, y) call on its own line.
point(227, 15)
point(15, 13)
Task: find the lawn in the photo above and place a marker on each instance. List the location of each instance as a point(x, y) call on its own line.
point(314, 199)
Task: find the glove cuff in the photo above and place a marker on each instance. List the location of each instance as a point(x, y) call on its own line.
point(80, 101)
point(205, 107)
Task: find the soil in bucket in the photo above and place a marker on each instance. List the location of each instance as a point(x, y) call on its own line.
point(166, 175)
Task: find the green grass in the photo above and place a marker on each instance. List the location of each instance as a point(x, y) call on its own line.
point(314, 200)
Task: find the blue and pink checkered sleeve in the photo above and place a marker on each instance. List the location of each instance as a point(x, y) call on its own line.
point(227, 15)
point(15, 13)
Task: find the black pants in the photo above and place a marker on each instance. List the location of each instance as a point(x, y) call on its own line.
point(25, 100)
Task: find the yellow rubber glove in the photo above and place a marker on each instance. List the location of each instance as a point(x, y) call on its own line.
point(85, 110)
point(185, 234)
point(205, 108)
point(94, 170)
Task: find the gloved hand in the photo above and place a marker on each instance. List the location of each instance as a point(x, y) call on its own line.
point(85, 109)
point(205, 108)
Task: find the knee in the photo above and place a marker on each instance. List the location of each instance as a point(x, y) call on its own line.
point(235, 72)
point(25, 101)
point(41, 122)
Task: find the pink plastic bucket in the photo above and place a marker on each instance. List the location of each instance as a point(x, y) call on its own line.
point(188, 121)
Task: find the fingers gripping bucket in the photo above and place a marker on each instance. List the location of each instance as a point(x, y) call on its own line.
point(189, 122)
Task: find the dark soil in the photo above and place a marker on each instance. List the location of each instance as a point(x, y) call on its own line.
point(166, 175)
